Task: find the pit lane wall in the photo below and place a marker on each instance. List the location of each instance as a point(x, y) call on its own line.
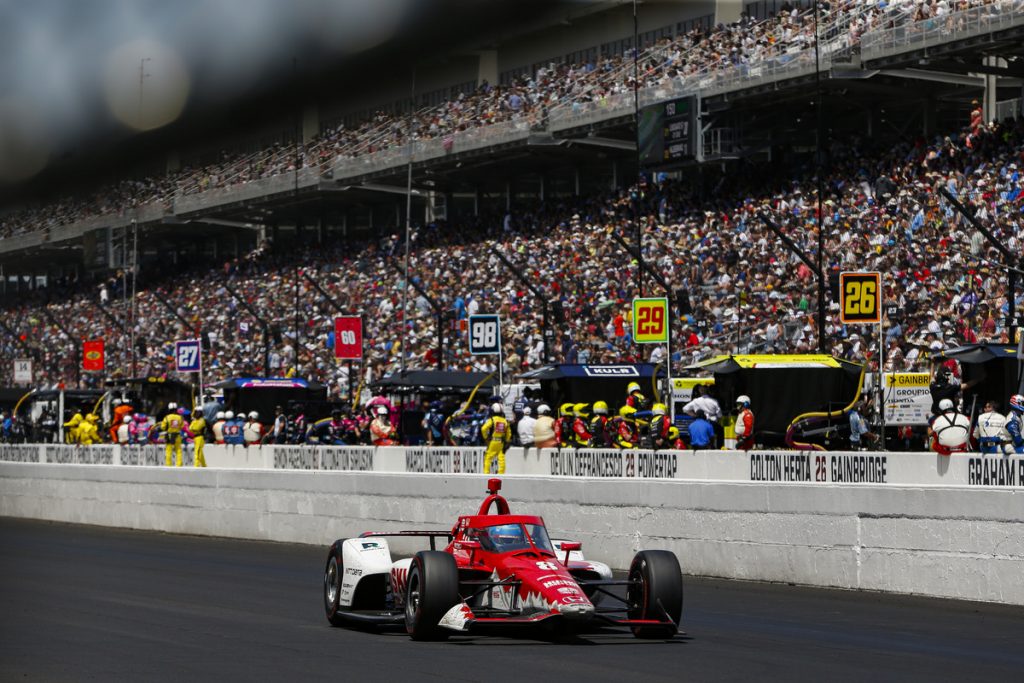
point(745, 516)
point(962, 469)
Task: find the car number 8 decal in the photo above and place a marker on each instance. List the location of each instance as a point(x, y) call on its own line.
point(547, 566)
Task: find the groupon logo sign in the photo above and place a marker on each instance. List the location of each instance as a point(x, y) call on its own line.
point(611, 371)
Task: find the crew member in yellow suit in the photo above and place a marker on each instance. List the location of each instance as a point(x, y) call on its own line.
point(171, 426)
point(71, 428)
point(89, 431)
point(497, 435)
point(197, 427)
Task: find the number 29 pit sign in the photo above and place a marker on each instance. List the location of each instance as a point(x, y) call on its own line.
point(650, 320)
point(348, 337)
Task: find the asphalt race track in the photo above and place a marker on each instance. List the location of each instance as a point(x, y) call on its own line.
point(87, 603)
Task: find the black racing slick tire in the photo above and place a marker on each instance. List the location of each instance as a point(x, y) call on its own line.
point(655, 591)
point(430, 591)
point(333, 576)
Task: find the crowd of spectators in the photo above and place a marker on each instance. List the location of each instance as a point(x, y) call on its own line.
point(737, 47)
point(745, 291)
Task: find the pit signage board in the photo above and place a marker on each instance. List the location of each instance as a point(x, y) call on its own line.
point(484, 334)
point(188, 356)
point(860, 298)
point(907, 397)
point(348, 337)
point(650, 320)
point(23, 370)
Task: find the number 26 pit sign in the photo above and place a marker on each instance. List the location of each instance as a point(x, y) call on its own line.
point(650, 321)
point(348, 337)
point(860, 298)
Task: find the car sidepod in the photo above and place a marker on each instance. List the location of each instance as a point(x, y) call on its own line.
point(366, 572)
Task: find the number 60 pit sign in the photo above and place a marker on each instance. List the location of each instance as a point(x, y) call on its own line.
point(650, 321)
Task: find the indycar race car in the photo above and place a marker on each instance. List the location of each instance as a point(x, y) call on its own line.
point(497, 570)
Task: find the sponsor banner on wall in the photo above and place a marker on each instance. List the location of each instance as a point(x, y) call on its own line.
point(348, 458)
point(632, 464)
point(79, 455)
point(783, 467)
point(19, 453)
point(144, 455)
point(446, 460)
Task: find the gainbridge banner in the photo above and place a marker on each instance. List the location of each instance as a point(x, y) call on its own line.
point(92, 355)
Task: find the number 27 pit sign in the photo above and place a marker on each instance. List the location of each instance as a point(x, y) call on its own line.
point(188, 356)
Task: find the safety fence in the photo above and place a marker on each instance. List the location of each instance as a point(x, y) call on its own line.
point(806, 467)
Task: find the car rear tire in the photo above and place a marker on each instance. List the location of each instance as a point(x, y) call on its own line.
point(656, 590)
point(334, 574)
point(430, 591)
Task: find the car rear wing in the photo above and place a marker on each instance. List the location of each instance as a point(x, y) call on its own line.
point(425, 534)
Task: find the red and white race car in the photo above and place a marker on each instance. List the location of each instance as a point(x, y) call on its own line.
point(498, 569)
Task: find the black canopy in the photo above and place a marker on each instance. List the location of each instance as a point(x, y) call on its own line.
point(439, 381)
point(575, 383)
point(990, 371)
point(979, 353)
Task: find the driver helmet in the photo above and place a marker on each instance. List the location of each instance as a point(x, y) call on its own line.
point(600, 408)
point(510, 535)
point(633, 386)
point(543, 409)
point(945, 404)
point(743, 400)
point(658, 409)
point(1017, 403)
point(497, 409)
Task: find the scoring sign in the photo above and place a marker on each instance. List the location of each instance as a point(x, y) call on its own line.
point(650, 320)
point(484, 335)
point(860, 298)
point(348, 337)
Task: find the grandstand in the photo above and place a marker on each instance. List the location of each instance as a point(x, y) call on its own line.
point(529, 151)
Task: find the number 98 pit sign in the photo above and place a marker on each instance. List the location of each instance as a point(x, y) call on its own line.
point(650, 321)
point(484, 335)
